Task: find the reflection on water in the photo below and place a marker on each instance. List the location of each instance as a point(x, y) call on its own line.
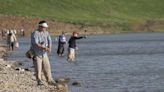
point(111, 63)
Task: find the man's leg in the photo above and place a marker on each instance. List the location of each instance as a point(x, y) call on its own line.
point(62, 51)
point(47, 69)
point(58, 50)
point(38, 68)
point(73, 54)
point(12, 46)
point(69, 55)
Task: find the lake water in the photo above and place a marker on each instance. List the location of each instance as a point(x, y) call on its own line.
point(131, 62)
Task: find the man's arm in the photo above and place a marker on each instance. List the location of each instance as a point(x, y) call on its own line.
point(78, 37)
point(15, 39)
point(35, 41)
point(49, 43)
point(41, 47)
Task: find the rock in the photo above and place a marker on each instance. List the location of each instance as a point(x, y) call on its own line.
point(62, 80)
point(20, 69)
point(8, 66)
point(19, 63)
point(67, 80)
point(27, 69)
point(76, 83)
point(62, 87)
point(1, 59)
point(1, 69)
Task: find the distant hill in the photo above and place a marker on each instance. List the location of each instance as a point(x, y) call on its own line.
point(122, 13)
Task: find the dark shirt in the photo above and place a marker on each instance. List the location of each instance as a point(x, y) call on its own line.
point(72, 41)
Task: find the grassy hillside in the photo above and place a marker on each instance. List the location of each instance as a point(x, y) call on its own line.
point(95, 16)
point(97, 12)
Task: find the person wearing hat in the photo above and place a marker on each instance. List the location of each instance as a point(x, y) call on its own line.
point(72, 46)
point(41, 45)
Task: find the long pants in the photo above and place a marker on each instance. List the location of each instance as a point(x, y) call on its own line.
point(42, 64)
point(12, 46)
point(71, 54)
point(60, 50)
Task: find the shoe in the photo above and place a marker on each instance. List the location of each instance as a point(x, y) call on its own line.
point(52, 83)
point(40, 83)
point(71, 60)
point(62, 55)
point(68, 59)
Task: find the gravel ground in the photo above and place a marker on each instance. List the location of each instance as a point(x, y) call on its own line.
point(15, 79)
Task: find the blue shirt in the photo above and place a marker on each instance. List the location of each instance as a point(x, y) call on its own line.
point(62, 38)
point(42, 38)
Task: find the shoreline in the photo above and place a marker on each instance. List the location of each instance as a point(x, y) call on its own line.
point(16, 79)
point(13, 22)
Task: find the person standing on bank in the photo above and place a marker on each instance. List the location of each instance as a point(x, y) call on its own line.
point(61, 44)
point(72, 46)
point(41, 45)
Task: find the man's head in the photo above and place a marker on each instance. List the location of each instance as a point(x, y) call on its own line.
point(42, 25)
point(75, 34)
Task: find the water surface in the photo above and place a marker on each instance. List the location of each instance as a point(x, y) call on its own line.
point(110, 63)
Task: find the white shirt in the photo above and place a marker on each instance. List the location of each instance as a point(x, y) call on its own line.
point(13, 38)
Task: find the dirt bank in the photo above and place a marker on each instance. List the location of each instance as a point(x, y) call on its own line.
point(29, 24)
point(55, 27)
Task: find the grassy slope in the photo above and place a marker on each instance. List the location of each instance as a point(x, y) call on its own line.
point(99, 12)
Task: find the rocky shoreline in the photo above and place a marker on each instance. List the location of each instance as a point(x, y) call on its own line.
point(15, 79)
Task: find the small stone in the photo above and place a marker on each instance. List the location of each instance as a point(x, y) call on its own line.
point(76, 83)
point(62, 80)
point(1, 59)
point(20, 63)
point(18, 69)
point(67, 80)
point(8, 66)
point(62, 87)
point(1, 69)
point(22, 70)
point(27, 69)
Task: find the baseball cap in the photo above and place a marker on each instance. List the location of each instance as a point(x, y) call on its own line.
point(43, 24)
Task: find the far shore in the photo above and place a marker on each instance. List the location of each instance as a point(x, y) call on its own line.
point(28, 24)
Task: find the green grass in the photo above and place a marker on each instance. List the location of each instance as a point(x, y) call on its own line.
point(89, 12)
